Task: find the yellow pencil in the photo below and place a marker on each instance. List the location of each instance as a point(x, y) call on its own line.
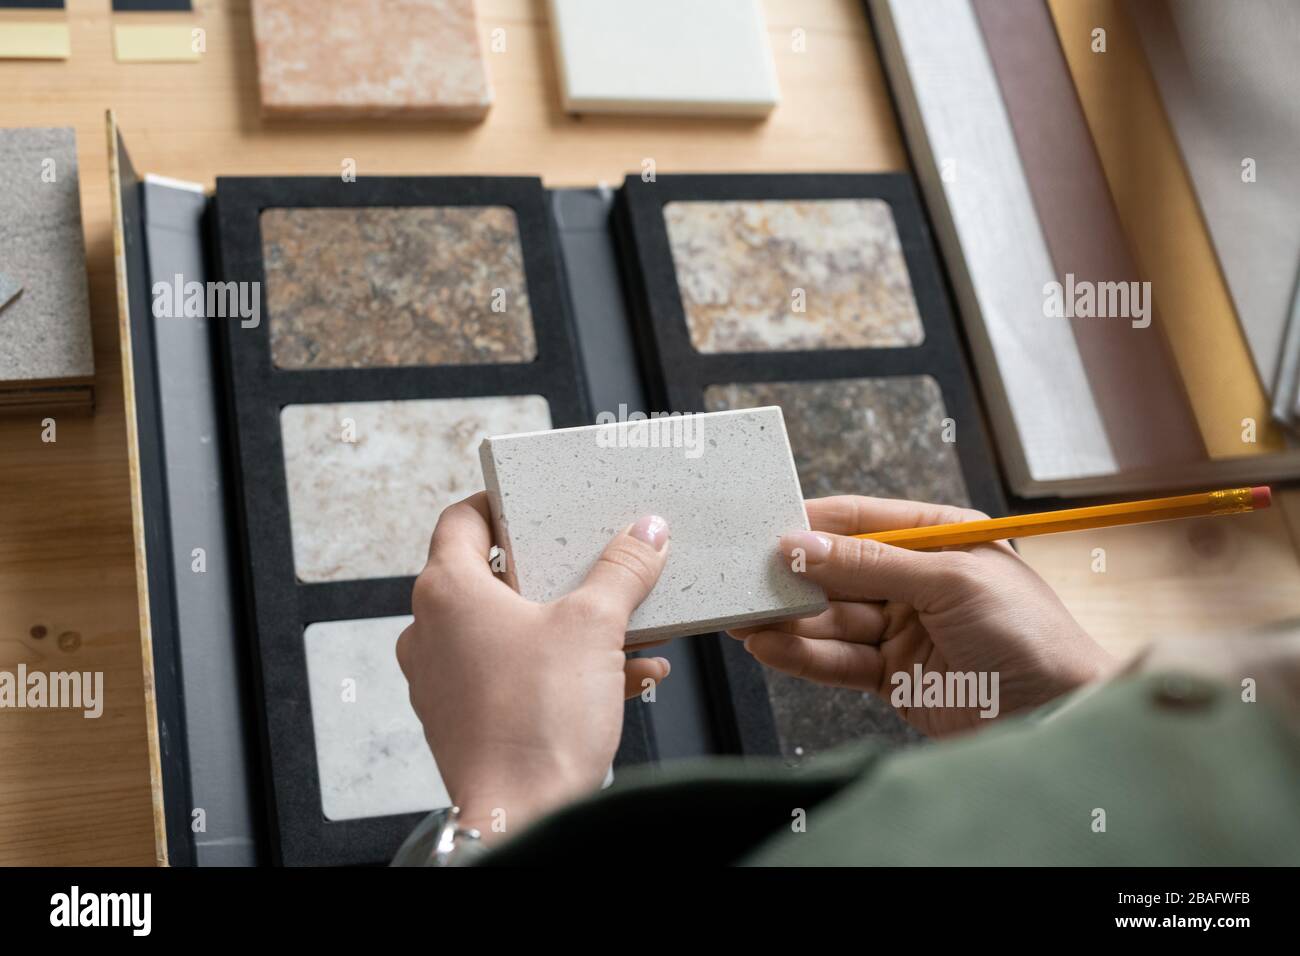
point(1230, 502)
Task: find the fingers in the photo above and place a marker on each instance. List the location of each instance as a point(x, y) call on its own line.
point(850, 621)
point(638, 670)
point(464, 531)
point(833, 663)
point(864, 570)
point(628, 570)
point(857, 514)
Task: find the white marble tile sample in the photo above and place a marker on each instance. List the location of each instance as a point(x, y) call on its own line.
point(370, 748)
point(725, 482)
point(367, 480)
point(667, 57)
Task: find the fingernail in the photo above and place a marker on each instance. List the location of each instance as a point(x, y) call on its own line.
point(651, 529)
point(815, 547)
point(668, 667)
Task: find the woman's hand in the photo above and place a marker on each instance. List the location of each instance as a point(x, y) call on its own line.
point(981, 609)
point(522, 703)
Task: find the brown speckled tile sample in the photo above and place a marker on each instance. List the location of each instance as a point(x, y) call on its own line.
point(386, 287)
point(879, 437)
point(788, 275)
point(411, 58)
point(364, 508)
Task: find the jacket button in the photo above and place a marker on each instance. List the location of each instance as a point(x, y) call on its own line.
point(1183, 692)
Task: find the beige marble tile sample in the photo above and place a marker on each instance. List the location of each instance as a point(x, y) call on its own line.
point(386, 287)
point(786, 275)
point(371, 753)
point(365, 58)
point(367, 480)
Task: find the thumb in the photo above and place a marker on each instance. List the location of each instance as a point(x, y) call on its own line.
point(624, 575)
point(859, 569)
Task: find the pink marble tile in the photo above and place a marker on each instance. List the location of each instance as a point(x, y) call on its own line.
point(411, 58)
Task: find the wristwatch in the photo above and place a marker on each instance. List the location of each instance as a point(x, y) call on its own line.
point(440, 840)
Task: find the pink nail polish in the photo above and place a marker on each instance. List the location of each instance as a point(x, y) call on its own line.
point(651, 529)
point(815, 547)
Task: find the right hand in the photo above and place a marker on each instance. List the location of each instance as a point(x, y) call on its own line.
point(976, 609)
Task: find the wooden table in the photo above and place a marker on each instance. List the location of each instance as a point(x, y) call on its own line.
point(76, 791)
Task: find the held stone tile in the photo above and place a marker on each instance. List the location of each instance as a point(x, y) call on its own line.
point(880, 437)
point(370, 748)
point(370, 58)
point(726, 484)
point(387, 287)
point(785, 275)
point(45, 332)
point(366, 508)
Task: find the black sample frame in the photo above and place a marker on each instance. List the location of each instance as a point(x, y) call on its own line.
point(280, 606)
point(677, 374)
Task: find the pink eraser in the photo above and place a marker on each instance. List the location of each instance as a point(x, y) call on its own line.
point(1261, 497)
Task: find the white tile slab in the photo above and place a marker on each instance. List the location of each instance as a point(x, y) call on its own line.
point(370, 747)
point(951, 107)
point(366, 508)
point(725, 481)
point(668, 57)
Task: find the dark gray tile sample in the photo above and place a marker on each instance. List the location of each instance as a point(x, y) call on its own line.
point(9, 290)
point(881, 437)
point(45, 332)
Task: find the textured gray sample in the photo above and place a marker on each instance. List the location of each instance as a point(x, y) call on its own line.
point(725, 482)
point(9, 290)
point(45, 332)
point(871, 436)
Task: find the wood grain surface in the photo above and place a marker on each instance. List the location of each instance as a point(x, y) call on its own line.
point(76, 791)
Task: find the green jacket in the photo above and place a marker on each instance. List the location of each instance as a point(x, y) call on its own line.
point(1162, 768)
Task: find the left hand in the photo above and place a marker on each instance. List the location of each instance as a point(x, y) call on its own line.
point(522, 703)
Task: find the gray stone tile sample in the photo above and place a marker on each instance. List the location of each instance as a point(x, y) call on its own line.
point(370, 748)
point(366, 508)
point(45, 332)
point(9, 290)
point(781, 275)
point(725, 483)
point(880, 437)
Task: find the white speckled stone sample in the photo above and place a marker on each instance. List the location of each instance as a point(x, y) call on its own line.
point(370, 748)
point(366, 508)
point(787, 275)
point(45, 332)
point(668, 57)
point(725, 482)
point(372, 58)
